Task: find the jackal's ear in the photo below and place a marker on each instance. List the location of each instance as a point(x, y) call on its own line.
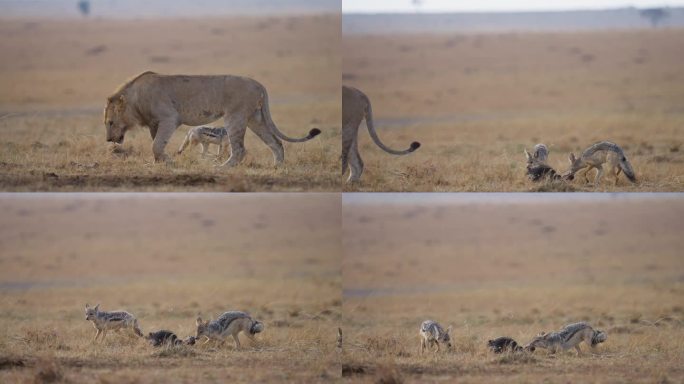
point(87, 306)
point(572, 157)
point(97, 307)
point(449, 329)
point(527, 155)
point(199, 321)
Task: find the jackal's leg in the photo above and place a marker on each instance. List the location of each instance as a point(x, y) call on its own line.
point(251, 338)
point(422, 345)
point(137, 330)
point(617, 174)
point(437, 343)
point(599, 174)
point(237, 341)
point(97, 334)
point(205, 147)
point(584, 172)
point(579, 351)
point(104, 333)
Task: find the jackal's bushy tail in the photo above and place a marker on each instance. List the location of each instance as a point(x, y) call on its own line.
point(626, 167)
point(185, 144)
point(599, 337)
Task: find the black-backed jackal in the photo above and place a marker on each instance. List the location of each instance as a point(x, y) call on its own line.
point(229, 324)
point(569, 337)
point(599, 154)
point(105, 321)
point(537, 168)
point(205, 136)
point(433, 333)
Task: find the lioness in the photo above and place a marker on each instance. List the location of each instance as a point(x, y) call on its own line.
point(355, 108)
point(164, 102)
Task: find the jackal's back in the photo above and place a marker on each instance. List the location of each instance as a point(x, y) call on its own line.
point(602, 146)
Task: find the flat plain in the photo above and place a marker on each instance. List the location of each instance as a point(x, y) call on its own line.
point(55, 76)
point(476, 100)
point(513, 266)
point(168, 259)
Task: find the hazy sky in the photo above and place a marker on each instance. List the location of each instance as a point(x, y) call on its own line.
point(494, 5)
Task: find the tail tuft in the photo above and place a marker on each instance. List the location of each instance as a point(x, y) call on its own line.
point(314, 132)
point(415, 145)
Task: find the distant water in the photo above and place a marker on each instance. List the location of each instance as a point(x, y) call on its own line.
point(624, 18)
point(163, 8)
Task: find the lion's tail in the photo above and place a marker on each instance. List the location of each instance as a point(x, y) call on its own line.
point(374, 135)
point(266, 114)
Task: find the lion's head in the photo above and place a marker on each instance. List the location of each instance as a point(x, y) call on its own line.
point(117, 118)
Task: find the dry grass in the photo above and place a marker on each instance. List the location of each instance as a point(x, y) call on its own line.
point(56, 76)
point(513, 269)
point(168, 259)
point(475, 101)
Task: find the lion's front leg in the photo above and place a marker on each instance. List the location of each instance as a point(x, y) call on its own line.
point(163, 135)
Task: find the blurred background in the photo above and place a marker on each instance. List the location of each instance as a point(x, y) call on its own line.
point(160, 8)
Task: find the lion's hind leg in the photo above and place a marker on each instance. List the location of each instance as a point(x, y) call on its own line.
point(236, 133)
point(257, 125)
point(355, 163)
